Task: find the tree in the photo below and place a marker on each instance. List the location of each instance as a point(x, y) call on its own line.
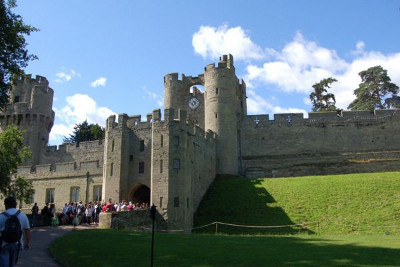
point(321, 99)
point(85, 132)
point(13, 53)
point(12, 154)
point(376, 91)
point(21, 189)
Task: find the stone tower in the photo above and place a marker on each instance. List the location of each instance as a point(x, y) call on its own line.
point(30, 108)
point(224, 108)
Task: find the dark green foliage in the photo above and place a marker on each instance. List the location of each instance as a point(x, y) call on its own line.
point(85, 132)
point(321, 99)
point(22, 189)
point(13, 52)
point(376, 91)
point(12, 154)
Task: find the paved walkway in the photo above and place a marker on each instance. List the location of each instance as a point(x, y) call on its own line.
point(38, 255)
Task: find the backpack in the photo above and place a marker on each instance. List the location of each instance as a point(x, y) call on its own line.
point(12, 228)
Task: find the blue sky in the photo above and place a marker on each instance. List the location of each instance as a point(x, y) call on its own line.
point(106, 57)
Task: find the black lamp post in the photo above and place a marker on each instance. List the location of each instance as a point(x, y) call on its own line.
point(153, 218)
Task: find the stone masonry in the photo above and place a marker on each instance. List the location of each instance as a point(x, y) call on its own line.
point(171, 162)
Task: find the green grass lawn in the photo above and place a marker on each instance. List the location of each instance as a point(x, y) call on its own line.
point(123, 248)
point(358, 219)
point(341, 204)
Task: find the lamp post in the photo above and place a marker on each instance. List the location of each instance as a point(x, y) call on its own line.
point(153, 218)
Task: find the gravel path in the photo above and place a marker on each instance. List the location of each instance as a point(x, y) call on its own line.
point(38, 255)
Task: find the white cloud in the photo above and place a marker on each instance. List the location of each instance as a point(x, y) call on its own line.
point(154, 96)
point(296, 67)
point(301, 63)
point(258, 105)
point(66, 75)
point(79, 107)
point(99, 82)
point(213, 42)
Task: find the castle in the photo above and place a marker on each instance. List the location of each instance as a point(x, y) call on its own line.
point(171, 162)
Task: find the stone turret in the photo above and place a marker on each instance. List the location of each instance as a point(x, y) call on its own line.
point(222, 113)
point(174, 91)
point(30, 108)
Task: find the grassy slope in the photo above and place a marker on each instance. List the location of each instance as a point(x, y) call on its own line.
point(122, 248)
point(342, 204)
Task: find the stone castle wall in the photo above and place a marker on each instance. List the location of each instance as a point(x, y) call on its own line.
point(222, 105)
point(69, 166)
point(128, 144)
point(324, 143)
point(176, 159)
point(183, 167)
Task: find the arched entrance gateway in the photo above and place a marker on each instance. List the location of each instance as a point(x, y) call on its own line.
point(140, 194)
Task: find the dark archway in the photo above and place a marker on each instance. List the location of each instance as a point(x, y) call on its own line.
point(141, 194)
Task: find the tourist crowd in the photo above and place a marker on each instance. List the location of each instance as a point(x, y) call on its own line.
point(79, 213)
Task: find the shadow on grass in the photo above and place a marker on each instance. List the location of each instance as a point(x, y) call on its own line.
point(240, 201)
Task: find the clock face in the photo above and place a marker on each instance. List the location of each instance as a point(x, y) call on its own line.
point(193, 103)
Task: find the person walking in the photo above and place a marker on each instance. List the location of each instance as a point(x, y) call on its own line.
point(45, 212)
point(35, 213)
point(10, 250)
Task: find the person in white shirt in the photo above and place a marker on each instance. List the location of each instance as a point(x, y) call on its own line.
point(88, 213)
point(9, 251)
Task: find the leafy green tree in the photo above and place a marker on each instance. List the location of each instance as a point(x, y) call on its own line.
point(376, 91)
point(13, 53)
point(85, 132)
point(21, 189)
point(12, 154)
point(321, 99)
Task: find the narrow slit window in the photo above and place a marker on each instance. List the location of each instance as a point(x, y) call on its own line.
point(141, 145)
point(177, 164)
point(217, 91)
point(141, 167)
point(176, 202)
point(176, 140)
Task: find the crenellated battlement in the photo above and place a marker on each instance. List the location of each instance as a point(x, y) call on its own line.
point(321, 117)
point(38, 80)
point(134, 121)
point(225, 62)
point(185, 122)
point(61, 169)
point(24, 119)
point(187, 80)
point(75, 147)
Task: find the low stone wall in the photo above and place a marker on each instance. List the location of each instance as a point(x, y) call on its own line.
point(131, 220)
